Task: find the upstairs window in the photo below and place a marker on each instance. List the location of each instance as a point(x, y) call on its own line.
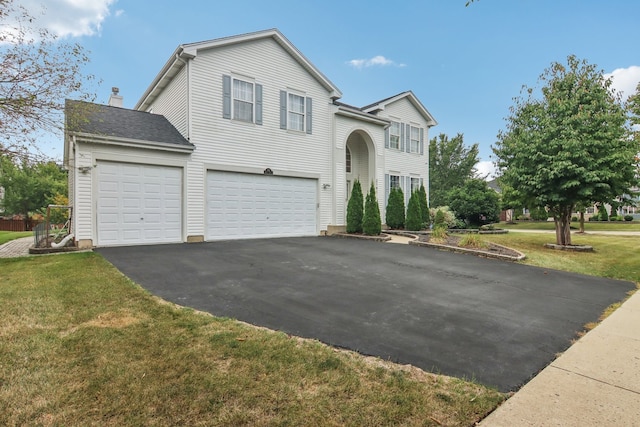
point(296, 112)
point(347, 161)
point(414, 143)
point(243, 100)
point(394, 135)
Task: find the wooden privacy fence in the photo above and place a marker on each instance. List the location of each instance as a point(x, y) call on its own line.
point(17, 224)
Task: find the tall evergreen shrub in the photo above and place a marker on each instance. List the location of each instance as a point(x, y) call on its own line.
point(414, 213)
point(371, 224)
point(424, 208)
point(395, 209)
point(355, 209)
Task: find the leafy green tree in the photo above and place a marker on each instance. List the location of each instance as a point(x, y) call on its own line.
point(450, 164)
point(37, 73)
point(30, 186)
point(424, 206)
point(355, 209)
point(475, 203)
point(414, 214)
point(371, 223)
point(568, 147)
point(439, 221)
point(395, 209)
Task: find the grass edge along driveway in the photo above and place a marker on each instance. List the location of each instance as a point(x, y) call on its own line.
point(84, 345)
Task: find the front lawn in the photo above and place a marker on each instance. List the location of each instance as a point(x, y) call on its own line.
point(83, 345)
point(6, 236)
point(575, 225)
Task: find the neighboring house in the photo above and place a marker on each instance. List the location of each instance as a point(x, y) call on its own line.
point(238, 137)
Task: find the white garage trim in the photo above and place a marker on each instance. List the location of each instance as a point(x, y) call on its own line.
point(138, 204)
point(242, 206)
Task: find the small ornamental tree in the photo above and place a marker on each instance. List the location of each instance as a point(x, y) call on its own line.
point(439, 221)
point(539, 214)
point(567, 144)
point(424, 206)
point(371, 224)
point(414, 214)
point(355, 209)
point(395, 209)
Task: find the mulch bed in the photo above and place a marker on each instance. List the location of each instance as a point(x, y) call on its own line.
point(492, 249)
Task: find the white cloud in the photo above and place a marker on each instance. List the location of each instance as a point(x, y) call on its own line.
point(486, 168)
point(70, 18)
point(625, 80)
point(379, 61)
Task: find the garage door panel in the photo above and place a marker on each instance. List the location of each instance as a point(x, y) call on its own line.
point(245, 205)
point(138, 204)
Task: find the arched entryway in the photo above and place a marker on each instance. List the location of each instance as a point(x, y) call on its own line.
point(359, 161)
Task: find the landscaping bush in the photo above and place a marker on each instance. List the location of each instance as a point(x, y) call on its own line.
point(355, 209)
point(574, 218)
point(449, 217)
point(371, 223)
point(628, 218)
point(395, 209)
point(424, 207)
point(472, 240)
point(539, 214)
point(438, 235)
point(602, 213)
point(414, 214)
point(439, 221)
point(594, 218)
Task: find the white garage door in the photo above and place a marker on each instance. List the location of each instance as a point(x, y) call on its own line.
point(138, 204)
point(248, 206)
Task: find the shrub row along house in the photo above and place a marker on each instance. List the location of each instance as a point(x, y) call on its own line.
point(238, 137)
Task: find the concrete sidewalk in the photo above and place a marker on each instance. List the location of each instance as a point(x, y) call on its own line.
point(596, 382)
point(16, 248)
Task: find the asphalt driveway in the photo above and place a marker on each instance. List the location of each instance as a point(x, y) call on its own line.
point(496, 322)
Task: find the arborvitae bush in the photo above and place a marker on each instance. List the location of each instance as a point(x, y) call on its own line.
point(355, 209)
point(602, 213)
point(371, 224)
point(414, 214)
point(395, 209)
point(424, 206)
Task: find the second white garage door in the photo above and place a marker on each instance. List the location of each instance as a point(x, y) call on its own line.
point(241, 206)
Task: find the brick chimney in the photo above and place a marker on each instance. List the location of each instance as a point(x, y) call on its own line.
point(115, 100)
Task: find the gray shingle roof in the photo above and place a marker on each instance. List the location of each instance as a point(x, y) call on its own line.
point(104, 120)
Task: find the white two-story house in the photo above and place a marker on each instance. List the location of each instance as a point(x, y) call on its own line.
point(238, 137)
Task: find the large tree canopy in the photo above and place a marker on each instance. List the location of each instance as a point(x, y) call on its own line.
point(569, 146)
point(450, 164)
point(37, 73)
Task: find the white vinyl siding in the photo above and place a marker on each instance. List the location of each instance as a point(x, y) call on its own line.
point(241, 205)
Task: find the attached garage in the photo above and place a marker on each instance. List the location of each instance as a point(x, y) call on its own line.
point(242, 205)
point(138, 204)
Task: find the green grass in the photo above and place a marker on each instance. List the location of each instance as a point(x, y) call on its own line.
point(6, 236)
point(588, 226)
point(616, 257)
point(82, 345)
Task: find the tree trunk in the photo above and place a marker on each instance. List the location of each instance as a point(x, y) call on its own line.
point(562, 220)
point(582, 222)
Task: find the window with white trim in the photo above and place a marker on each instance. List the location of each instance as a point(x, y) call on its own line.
point(415, 184)
point(414, 142)
point(394, 181)
point(394, 135)
point(243, 97)
point(296, 112)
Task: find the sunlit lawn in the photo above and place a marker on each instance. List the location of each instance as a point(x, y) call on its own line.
point(6, 236)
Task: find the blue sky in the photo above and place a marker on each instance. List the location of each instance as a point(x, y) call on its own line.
point(464, 63)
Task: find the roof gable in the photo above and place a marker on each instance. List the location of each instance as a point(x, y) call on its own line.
point(97, 120)
point(190, 50)
point(409, 96)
